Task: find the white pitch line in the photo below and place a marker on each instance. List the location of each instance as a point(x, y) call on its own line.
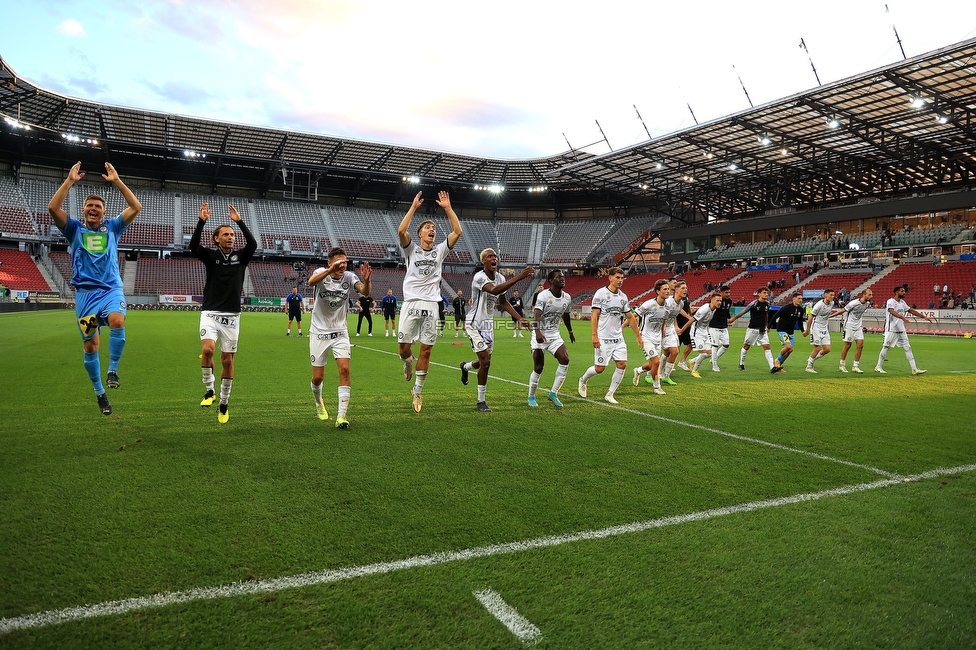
point(41, 619)
point(517, 624)
point(691, 425)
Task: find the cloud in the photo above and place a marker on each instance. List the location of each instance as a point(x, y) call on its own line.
point(180, 92)
point(72, 27)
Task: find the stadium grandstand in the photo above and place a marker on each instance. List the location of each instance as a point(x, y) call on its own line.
point(867, 181)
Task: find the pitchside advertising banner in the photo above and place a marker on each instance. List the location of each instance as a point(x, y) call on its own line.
point(178, 299)
point(266, 302)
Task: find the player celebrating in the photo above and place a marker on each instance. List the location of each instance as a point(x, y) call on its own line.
point(653, 313)
point(99, 299)
point(333, 288)
point(699, 323)
point(422, 290)
point(718, 330)
point(895, 334)
point(817, 328)
point(220, 315)
point(551, 305)
point(684, 333)
point(669, 344)
point(854, 330)
point(389, 304)
point(481, 321)
point(294, 303)
point(787, 320)
point(610, 309)
point(756, 332)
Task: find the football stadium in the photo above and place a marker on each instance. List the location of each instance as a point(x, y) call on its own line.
point(794, 495)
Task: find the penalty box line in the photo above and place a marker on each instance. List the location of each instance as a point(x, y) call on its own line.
point(117, 607)
point(691, 425)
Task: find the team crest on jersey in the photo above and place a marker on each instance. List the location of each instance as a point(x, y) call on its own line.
point(313, 358)
point(122, 304)
point(233, 258)
point(345, 286)
point(202, 332)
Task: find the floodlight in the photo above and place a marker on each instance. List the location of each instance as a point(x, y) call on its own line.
point(764, 139)
point(917, 102)
point(833, 122)
point(942, 118)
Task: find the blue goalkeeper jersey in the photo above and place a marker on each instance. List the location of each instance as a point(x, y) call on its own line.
point(95, 254)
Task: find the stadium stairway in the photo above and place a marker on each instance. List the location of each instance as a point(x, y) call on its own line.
point(129, 277)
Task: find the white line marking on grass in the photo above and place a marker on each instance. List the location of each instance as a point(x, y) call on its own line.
point(41, 619)
point(517, 624)
point(690, 425)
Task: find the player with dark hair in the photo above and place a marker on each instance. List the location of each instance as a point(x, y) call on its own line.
point(757, 331)
point(653, 315)
point(99, 299)
point(684, 333)
point(611, 308)
point(389, 304)
point(220, 314)
point(366, 304)
point(551, 306)
point(854, 330)
point(817, 328)
point(787, 320)
point(294, 304)
point(333, 287)
point(895, 334)
point(485, 294)
point(422, 290)
point(699, 324)
point(718, 330)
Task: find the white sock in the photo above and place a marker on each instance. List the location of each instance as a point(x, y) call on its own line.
point(420, 378)
point(316, 392)
point(911, 358)
point(722, 350)
point(344, 393)
point(742, 356)
point(668, 367)
point(208, 378)
point(589, 374)
point(482, 390)
point(533, 382)
point(881, 357)
point(225, 388)
point(469, 366)
point(697, 361)
point(769, 358)
point(561, 372)
point(618, 376)
point(843, 363)
point(857, 363)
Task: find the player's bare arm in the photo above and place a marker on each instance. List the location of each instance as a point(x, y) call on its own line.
point(365, 287)
point(632, 321)
point(54, 208)
point(594, 319)
point(404, 229)
point(134, 206)
point(444, 200)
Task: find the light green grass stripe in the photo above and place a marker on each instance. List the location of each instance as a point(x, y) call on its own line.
point(42, 619)
point(691, 425)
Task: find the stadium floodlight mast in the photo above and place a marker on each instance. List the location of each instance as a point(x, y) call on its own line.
point(16, 124)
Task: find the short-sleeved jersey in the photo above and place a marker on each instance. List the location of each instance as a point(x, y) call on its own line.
point(758, 315)
point(294, 302)
point(225, 271)
point(552, 309)
point(94, 254)
point(680, 320)
point(821, 312)
point(614, 308)
point(389, 304)
point(654, 315)
point(893, 324)
point(673, 308)
point(720, 320)
point(788, 318)
point(516, 303)
point(366, 304)
point(482, 316)
point(332, 297)
point(703, 316)
point(460, 307)
point(855, 312)
point(423, 278)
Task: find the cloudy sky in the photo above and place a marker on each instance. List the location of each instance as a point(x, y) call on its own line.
point(503, 79)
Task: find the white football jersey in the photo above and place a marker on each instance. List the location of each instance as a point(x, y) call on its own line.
point(893, 324)
point(673, 309)
point(654, 315)
point(855, 312)
point(821, 313)
point(423, 278)
point(703, 316)
point(614, 308)
point(482, 314)
point(552, 309)
point(332, 302)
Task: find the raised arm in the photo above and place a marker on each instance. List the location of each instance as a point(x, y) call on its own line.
point(444, 200)
point(198, 231)
point(496, 289)
point(134, 207)
point(365, 287)
point(404, 229)
point(58, 215)
point(251, 244)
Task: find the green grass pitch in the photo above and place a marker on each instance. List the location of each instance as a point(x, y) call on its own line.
point(159, 498)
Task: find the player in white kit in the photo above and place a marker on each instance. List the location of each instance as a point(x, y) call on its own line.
point(895, 333)
point(610, 309)
point(653, 313)
point(699, 324)
point(422, 290)
point(487, 289)
point(854, 330)
point(551, 306)
point(674, 306)
point(333, 286)
point(817, 328)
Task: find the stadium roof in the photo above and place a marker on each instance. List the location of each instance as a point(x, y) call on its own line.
point(889, 132)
